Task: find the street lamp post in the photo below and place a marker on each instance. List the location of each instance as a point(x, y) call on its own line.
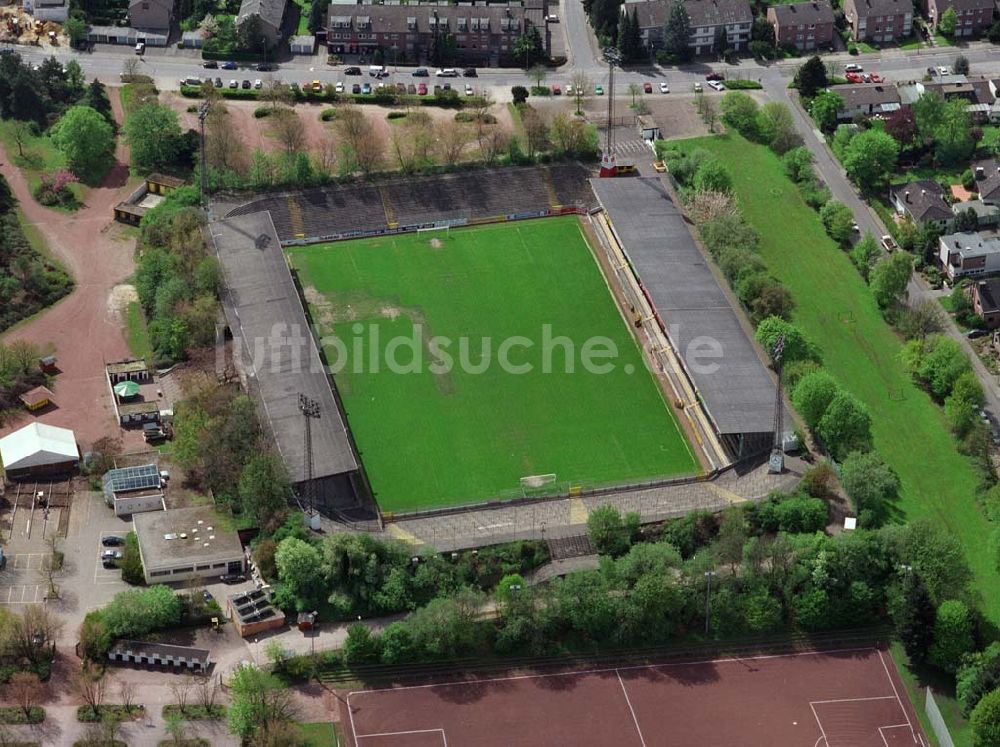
point(708, 599)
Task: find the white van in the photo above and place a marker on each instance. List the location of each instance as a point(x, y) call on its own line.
point(140, 47)
point(376, 70)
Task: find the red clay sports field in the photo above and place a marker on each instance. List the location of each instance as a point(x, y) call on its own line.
point(840, 698)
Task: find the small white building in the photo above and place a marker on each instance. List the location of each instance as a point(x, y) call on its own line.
point(134, 490)
point(185, 543)
point(39, 450)
point(304, 44)
point(969, 254)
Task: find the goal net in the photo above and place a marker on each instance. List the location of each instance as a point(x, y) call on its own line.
point(536, 483)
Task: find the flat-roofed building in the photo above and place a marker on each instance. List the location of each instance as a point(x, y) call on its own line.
point(186, 543)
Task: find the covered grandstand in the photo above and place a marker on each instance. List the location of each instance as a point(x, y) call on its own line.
point(348, 211)
point(279, 360)
point(737, 393)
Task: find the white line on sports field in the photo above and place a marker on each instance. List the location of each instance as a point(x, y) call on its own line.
point(819, 723)
point(444, 738)
point(852, 700)
point(902, 705)
point(631, 710)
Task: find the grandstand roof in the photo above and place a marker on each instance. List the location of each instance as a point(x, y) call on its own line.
point(280, 355)
point(739, 393)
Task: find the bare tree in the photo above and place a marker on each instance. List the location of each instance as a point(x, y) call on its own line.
point(52, 566)
point(25, 690)
point(20, 132)
point(208, 692)
point(634, 90)
point(176, 728)
point(126, 694)
point(481, 106)
point(536, 131)
point(581, 84)
point(707, 205)
point(363, 143)
point(288, 130)
point(274, 93)
point(537, 73)
point(276, 734)
point(90, 687)
point(130, 69)
point(326, 155)
point(181, 690)
point(451, 139)
point(492, 144)
point(35, 632)
point(224, 150)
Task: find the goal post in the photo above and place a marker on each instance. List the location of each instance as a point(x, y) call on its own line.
point(531, 484)
point(436, 229)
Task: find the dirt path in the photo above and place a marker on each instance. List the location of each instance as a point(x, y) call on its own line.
point(85, 332)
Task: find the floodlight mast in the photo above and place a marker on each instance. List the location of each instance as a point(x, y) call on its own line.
point(310, 411)
point(202, 116)
point(776, 464)
point(608, 162)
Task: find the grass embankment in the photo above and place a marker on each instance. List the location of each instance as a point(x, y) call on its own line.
point(448, 438)
point(915, 679)
point(136, 335)
point(836, 309)
point(36, 156)
point(319, 734)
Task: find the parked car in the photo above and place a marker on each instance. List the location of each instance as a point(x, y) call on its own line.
point(420, 72)
point(647, 87)
point(110, 564)
point(854, 78)
point(715, 76)
point(447, 72)
point(943, 71)
point(411, 89)
point(599, 90)
point(140, 48)
point(339, 88)
point(366, 88)
point(112, 555)
point(446, 87)
point(246, 84)
point(356, 88)
point(112, 540)
point(258, 84)
point(353, 70)
point(717, 85)
point(228, 65)
point(697, 87)
point(552, 18)
point(875, 78)
point(317, 87)
point(975, 334)
point(889, 243)
point(232, 578)
point(556, 89)
point(218, 82)
point(422, 89)
point(266, 67)
point(853, 68)
point(234, 83)
point(664, 88)
point(207, 595)
point(210, 65)
point(468, 90)
point(470, 72)
point(401, 88)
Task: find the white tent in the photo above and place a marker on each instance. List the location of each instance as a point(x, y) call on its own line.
point(38, 445)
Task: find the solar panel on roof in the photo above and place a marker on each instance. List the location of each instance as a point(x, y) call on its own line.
point(132, 478)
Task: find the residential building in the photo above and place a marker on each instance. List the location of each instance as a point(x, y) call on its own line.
point(972, 16)
point(481, 35)
point(47, 10)
point(923, 202)
point(879, 20)
point(987, 176)
point(969, 254)
point(271, 14)
point(867, 99)
point(712, 23)
point(805, 26)
point(151, 15)
point(986, 301)
point(186, 543)
point(986, 215)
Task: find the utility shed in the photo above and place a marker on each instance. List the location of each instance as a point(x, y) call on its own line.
point(39, 450)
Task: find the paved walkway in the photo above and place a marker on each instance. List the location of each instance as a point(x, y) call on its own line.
point(567, 517)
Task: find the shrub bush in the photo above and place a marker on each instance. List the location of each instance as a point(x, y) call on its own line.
point(262, 111)
point(328, 114)
point(395, 115)
point(15, 715)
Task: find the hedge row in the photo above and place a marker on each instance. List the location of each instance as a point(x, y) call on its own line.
point(386, 99)
point(14, 715)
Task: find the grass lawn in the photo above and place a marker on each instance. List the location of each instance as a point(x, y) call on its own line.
point(305, 7)
point(438, 438)
point(136, 334)
point(319, 734)
point(952, 173)
point(913, 42)
point(40, 157)
point(917, 678)
point(836, 309)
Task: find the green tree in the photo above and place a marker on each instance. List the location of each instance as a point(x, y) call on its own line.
point(528, 47)
point(317, 15)
point(798, 164)
point(762, 612)
point(798, 347)
point(978, 673)
point(519, 94)
point(890, 277)
point(397, 644)
point(76, 29)
point(934, 553)
point(776, 127)
point(953, 635)
point(929, 113)
point(260, 701)
point(870, 157)
point(962, 406)
point(97, 99)
point(872, 485)
point(813, 395)
point(630, 37)
point(845, 426)
point(607, 531)
point(362, 646)
point(300, 571)
point(250, 34)
point(824, 109)
point(739, 111)
point(953, 136)
point(948, 21)
point(264, 488)
point(712, 176)
point(865, 254)
point(838, 221)
point(677, 33)
point(985, 720)
point(913, 617)
point(86, 139)
point(153, 133)
point(961, 65)
point(811, 77)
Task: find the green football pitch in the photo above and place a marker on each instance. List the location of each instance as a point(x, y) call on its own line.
point(433, 434)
